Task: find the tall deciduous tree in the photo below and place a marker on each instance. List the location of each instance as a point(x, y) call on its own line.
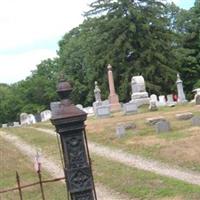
point(190, 51)
point(133, 36)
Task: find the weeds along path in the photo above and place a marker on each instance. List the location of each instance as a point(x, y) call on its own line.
point(139, 162)
point(54, 169)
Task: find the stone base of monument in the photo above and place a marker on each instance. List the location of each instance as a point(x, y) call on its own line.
point(182, 101)
point(139, 95)
point(130, 108)
point(96, 104)
point(102, 111)
point(114, 103)
point(140, 102)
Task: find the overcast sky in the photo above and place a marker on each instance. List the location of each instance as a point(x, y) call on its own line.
point(31, 29)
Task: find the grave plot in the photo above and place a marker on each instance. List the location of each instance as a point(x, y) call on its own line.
point(177, 145)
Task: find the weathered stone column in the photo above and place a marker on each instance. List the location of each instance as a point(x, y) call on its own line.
point(113, 97)
point(69, 123)
point(97, 93)
point(181, 94)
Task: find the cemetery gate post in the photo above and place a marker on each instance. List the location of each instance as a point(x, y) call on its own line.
point(69, 123)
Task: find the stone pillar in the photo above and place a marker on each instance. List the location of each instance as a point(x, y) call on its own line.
point(181, 94)
point(113, 97)
point(97, 93)
point(69, 123)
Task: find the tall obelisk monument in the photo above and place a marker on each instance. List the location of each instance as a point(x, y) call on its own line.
point(113, 97)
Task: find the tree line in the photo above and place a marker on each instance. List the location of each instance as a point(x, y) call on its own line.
point(151, 38)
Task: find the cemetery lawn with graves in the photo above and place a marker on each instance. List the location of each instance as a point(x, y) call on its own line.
point(180, 146)
point(13, 160)
point(132, 182)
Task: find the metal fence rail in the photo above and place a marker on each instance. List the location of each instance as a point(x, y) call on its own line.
point(40, 183)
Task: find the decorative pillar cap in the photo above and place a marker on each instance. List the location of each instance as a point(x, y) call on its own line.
point(63, 88)
point(65, 110)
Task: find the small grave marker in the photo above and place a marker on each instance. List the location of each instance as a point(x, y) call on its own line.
point(120, 130)
point(162, 126)
point(184, 116)
point(196, 121)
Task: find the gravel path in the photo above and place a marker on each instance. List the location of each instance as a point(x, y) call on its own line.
point(140, 162)
point(54, 169)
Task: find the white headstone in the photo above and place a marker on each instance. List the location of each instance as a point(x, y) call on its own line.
point(16, 124)
point(139, 94)
point(170, 100)
point(162, 101)
point(24, 119)
point(154, 97)
point(31, 119)
point(153, 105)
point(4, 125)
point(45, 115)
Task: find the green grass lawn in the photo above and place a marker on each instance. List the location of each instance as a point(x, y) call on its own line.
point(11, 160)
point(126, 180)
point(141, 184)
point(174, 147)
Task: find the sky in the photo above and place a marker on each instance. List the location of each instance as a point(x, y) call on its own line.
point(31, 29)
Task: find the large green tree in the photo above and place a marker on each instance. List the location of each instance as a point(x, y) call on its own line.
point(133, 36)
point(189, 53)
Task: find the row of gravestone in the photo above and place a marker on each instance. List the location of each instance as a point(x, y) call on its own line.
point(27, 119)
point(160, 124)
point(139, 97)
